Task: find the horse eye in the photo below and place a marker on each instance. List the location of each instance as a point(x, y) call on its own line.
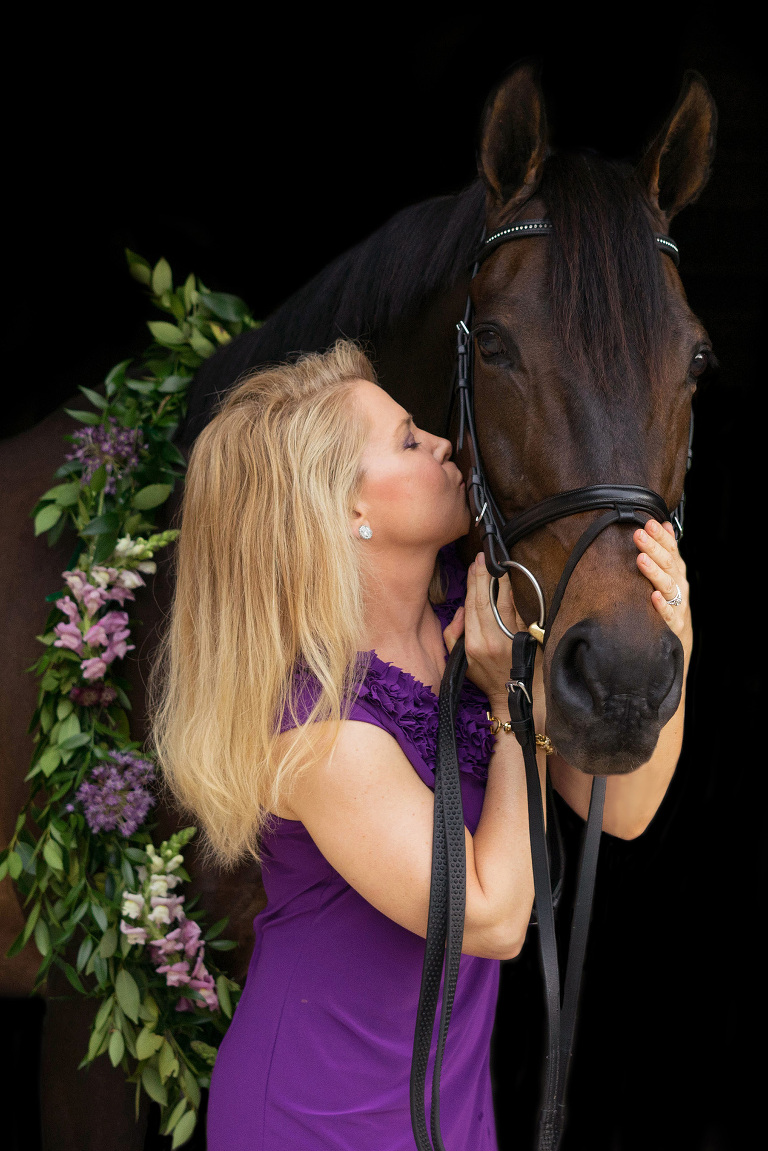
point(489, 343)
point(699, 364)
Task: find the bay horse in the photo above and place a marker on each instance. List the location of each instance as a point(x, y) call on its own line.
point(586, 358)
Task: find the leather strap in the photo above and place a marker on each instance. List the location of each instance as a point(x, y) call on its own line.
point(544, 227)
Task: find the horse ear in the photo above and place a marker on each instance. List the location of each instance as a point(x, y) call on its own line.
point(676, 166)
point(513, 138)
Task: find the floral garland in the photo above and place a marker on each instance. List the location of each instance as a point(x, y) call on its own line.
point(91, 872)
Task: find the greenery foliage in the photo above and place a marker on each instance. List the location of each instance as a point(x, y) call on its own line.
point(89, 870)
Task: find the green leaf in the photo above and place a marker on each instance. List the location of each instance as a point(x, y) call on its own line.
point(184, 1129)
point(73, 978)
point(138, 267)
point(166, 334)
point(222, 990)
point(191, 1086)
point(14, 864)
point(147, 1043)
point(99, 915)
point(151, 496)
point(49, 760)
point(223, 944)
point(68, 726)
point(46, 518)
point(174, 383)
point(116, 1047)
point(206, 1052)
point(109, 522)
point(200, 344)
point(73, 741)
point(104, 1012)
point(42, 937)
point(225, 306)
point(83, 417)
point(108, 944)
point(217, 928)
point(64, 708)
point(127, 994)
point(52, 856)
point(96, 399)
point(98, 480)
point(98, 1037)
point(63, 494)
point(105, 547)
point(149, 1011)
point(150, 1078)
point(167, 1062)
point(174, 1116)
point(84, 954)
point(162, 278)
point(116, 375)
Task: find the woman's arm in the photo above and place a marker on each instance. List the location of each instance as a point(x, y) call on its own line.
point(371, 816)
point(631, 801)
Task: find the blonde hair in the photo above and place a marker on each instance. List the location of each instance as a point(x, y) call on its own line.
point(268, 580)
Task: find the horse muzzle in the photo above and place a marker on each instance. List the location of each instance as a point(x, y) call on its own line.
point(609, 697)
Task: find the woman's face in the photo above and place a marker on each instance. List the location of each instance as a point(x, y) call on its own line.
point(412, 493)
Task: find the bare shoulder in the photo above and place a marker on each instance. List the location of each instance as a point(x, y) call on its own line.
point(359, 753)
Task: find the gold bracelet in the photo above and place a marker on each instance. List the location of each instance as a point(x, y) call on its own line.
point(542, 741)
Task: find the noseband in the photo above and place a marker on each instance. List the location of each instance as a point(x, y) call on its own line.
point(620, 504)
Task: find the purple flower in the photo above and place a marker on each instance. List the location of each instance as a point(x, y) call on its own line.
point(175, 973)
point(115, 795)
point(115, 447)
point(93, 668)
point(69, 607)
point(70, 637)
point(84, 592)
point(135, 934)
point(92, 695)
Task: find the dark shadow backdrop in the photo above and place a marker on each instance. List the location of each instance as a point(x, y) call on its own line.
point(253, 154)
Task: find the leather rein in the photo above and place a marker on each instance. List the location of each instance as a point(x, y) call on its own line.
point(619, 504)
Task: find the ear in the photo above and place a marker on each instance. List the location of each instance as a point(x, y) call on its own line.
point(513, 139)
point(676, 166)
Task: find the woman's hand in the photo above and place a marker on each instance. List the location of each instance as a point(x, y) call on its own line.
point(489, 650)
point(661, 564)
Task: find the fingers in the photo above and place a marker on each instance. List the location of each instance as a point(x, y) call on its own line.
point(661, 563)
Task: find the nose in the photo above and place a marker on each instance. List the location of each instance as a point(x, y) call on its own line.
point(611, 692)
point(444, 449)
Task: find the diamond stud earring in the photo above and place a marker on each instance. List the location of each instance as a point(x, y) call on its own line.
point(365, 531)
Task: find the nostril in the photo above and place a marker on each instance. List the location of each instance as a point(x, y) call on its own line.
point(570, 676)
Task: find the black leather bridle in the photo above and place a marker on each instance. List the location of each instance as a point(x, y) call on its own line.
point(619, 504)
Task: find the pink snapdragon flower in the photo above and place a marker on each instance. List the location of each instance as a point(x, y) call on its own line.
point(135, 933)
point(69, 636)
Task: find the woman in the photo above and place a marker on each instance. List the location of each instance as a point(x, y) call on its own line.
point(318, 594)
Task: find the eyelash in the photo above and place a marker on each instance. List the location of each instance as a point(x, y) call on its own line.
point(415, 444)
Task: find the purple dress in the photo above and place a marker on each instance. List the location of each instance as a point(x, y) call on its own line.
point(318, 1054)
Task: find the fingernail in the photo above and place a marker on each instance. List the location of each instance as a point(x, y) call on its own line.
point(642, 534)
point(481, 559)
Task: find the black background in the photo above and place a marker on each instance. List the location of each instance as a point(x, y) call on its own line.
point(252, 153)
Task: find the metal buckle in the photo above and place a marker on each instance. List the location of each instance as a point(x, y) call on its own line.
point(514, 684)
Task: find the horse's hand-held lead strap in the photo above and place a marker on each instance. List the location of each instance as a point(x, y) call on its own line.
point(447, 894)
point(561, 1022)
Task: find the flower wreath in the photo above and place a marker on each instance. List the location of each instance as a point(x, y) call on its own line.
point(92, 871)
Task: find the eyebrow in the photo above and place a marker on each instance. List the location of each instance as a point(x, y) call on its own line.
point(403, 423)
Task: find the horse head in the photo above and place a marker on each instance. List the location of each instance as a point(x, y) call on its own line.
point(586, 357)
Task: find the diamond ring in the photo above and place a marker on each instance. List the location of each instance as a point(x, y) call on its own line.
point(677, 598)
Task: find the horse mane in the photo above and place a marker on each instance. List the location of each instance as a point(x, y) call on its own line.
point(421, 250)
point(607, 291)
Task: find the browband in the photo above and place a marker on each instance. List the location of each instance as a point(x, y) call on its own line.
point(544, 228)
